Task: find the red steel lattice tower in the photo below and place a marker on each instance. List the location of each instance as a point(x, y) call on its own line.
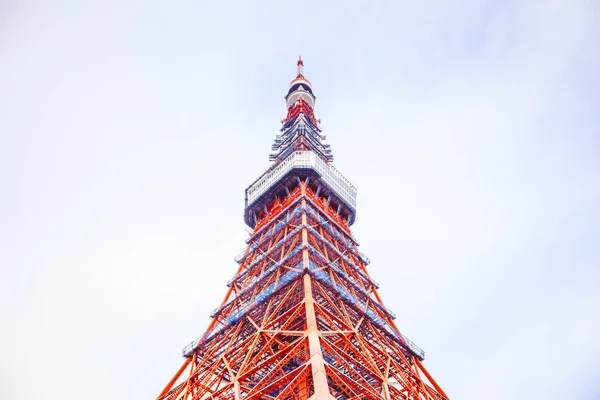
point(302, 318)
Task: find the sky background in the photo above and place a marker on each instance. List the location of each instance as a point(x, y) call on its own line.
point(130, 129)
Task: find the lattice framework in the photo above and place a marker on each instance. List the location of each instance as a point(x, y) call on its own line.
point(301, 316)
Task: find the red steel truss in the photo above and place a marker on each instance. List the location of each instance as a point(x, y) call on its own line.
point(302, 319)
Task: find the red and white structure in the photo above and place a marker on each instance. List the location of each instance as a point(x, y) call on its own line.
point(302, 318)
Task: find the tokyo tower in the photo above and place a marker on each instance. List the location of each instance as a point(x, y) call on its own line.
point(302, 318)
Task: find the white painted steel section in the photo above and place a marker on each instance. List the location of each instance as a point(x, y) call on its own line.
point(304, 159)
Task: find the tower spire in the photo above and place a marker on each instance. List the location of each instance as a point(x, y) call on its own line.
point(300, 65)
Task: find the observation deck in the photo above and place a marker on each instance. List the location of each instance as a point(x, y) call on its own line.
point(283, 177)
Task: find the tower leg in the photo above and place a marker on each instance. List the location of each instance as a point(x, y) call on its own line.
point(314, 344)
point(316, 355)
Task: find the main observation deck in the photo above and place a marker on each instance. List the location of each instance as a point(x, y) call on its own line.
point(281, 178)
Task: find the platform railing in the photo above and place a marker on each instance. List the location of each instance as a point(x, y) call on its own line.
point(309, 160)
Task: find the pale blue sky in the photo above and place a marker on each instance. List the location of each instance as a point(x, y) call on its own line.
point(129, 131)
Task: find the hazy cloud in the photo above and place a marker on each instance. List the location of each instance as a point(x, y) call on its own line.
point(129, 131)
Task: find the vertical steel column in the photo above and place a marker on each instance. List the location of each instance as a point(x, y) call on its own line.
point(314, 343)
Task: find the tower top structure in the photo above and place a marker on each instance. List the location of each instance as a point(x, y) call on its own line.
point(300, 151)
point(300, 89)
